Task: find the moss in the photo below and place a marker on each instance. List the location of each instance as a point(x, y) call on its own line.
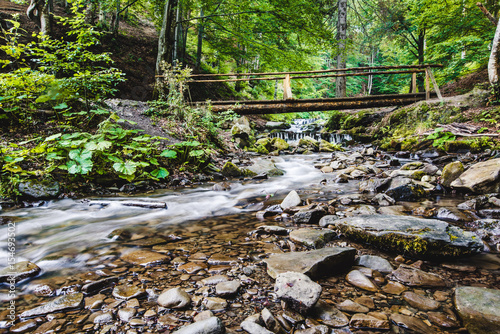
point(231, 169)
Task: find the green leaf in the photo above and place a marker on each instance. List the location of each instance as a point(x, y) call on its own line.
point(169, 154)
point(98, 145)
point(196, 153)
point(125, 168)
point(61, 106)
point(50, 138)
point(160, 173)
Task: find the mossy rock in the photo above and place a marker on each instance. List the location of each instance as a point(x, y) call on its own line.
point(451, 172)
point(231, 170)
point(417, 237)
point(280, 144)
point(309, 144)
point(40, 189)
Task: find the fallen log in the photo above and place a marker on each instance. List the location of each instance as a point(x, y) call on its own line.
point(148, 205)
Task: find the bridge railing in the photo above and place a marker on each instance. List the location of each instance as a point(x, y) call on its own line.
point(287, 77)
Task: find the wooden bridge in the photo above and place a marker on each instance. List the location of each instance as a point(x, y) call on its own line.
point(289, 104)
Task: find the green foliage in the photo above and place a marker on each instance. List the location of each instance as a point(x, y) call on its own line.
point(440, 138)
point(65, 72)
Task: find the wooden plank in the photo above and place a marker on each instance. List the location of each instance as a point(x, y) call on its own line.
point(414, 82)
point(365, 68)
point(434, 83)
point(360, 74)
point(427, 89)
point(286, 106)
point(287, 88)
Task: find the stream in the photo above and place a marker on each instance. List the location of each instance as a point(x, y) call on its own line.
point(202, 232)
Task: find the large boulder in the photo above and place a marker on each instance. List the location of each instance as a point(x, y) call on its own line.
point(421, 238)
point(482, 178)
point(39, 189)
point(315, 263)
point(242, 132)
point(261, 166)
point(479, 309)
point(451, 172)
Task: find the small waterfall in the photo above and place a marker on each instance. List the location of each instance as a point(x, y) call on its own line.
point(309, 127)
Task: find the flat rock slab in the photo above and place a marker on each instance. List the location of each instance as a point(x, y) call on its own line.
point(483, 177)
point(479, 309)
point(19, 271)
point(375, 262)
point(411, 276)
point(145, 258)
point(315, 263)
point(298, 290)
point(418, 237)
point(211, 325)
point(58, 304)
point(311, 237)
point(414, 324)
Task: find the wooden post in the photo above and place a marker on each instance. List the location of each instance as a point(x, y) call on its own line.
point(427, 88)
point(434, 83)
point(414, 82)
point(287, 88)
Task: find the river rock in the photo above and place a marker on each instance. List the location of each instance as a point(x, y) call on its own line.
point(62, 303)
point(420, 302)
point(373, 185)
point(211, 325)
point(231, 170)
point(451, 172)
point(407, 193)
point(126, 313)
point(271, 322)
point(227, 288)
point(414, 324)
point(412, 276)
point(18, 271)
point(443, 319)
point(325, 146)
point(375, 262)
point(313, 263)
point(254, 328)
point(482, 178)
point(421, 238)
point(174, 298)
point(311, 237)
point(352, 307)
point(261, 166)
point(291, 200)
point(242, 131)
point(24, 326)
point(329, 315)
point(128, 291)
point(488, 230)
point(479, 309)
point(365, 321)
point(358, 279)
point(279, 144)
point(309, 216)
point(298, 290)
point(394, 288)
point(309, 144)
point(277, 125)
point(145, 258)
point(215, 303)
point(39, 189)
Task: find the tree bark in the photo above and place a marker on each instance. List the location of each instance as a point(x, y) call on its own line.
point(341, 38)
point(494, 62)
point(200, 40)
point(46, 18)
point(165, 40)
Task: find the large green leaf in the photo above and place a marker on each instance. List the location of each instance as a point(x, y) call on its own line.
point(169, 154)
point(125, 168)
point(160, 173)
point(98, 145)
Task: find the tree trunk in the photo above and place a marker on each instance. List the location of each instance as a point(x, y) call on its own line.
point(46, 18)
point(165, 38)
point(177, 33)
point(200, 40)
point(494, 62)
point(90, 13)
point(421, 59)
point(102, 16)
point(341, 38)
point(117, 17)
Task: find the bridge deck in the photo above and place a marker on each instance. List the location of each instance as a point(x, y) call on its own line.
point(287, 106)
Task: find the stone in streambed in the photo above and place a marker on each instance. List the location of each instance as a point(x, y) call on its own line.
point(414, 324)
point(375, 262)
point(313, 263)
point(145, 258)
point(352, 307)
point(420, 302)
point(309, 217)
point(62, 303)
point(421, 238)
point(298, 290)
point(19, 271)
point(451, 172)
point(365, 321)
point(482, 178)
point(252, 327)
point(479, 309)
point(39, 189)
point(211, 325)
point(329, 315)
point(411, 276)
point(127, 292)
point(358, 279)
point(443, 319)
point(174, 298)
point(227, 288)
point(311, 237)
point(291, 200)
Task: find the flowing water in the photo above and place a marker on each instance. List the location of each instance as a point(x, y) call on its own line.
point(311, 127)
point(57, 234)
